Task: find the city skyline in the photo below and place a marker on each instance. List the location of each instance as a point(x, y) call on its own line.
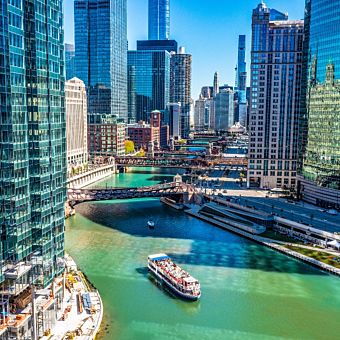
point(226, 22)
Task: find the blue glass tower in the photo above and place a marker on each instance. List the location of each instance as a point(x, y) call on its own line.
point(241, 69)
point(320, 180)
point(101, 54)
point(159, 19)
point(32, 142)
point(149, 83)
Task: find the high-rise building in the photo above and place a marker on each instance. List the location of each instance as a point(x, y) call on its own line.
point(32, 145)
point(174, 112)
point(101, 54)
point(224, 110)
point(69, 61)
point(105, 135)
point(76, 122)
point(216, 84)
point(202, 117)
point(159, 19)
point(157, 45)
point(150, 88)
point(276, 73)
point(241, 81)
point(320, 129)
point(180, 87)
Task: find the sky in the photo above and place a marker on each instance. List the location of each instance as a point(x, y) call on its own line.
point(208, 29)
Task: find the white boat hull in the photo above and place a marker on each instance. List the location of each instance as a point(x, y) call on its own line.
point(174, 289)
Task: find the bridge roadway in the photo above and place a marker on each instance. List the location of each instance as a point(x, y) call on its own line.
point(176, 162)
point(76, 196)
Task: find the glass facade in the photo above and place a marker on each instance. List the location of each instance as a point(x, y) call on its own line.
point(69, 61)
point(159, 19)
point(32, 130)
point(101, 54)
point(180, 88)
point(321, 162)
point(157, 45)
point(149, 83)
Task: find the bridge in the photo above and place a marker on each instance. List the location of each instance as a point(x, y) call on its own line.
point(179, 190)
point(179, 162)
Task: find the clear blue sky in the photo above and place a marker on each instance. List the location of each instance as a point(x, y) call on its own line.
point(208, 29)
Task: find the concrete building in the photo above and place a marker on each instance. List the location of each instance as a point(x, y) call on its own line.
point(142, 133)
point(76, 122)
point(319, 179)
point(224, 110)
point(180, 87)
point(276, 73)
point(202, 117)
point(105, 135)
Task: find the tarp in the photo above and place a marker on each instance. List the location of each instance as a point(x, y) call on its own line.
point(334, 243)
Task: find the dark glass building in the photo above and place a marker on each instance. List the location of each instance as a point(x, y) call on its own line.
point(241, 81)
point(320, 175)
point(180, 87)
point(32, 143)
point(101, 54)
point(149, 82)
point(157, 45)
point(159, 19)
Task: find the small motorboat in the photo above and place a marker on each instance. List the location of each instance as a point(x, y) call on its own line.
point(151, 224)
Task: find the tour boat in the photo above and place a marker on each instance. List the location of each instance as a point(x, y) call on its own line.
point(151, 224)
point(178, 280)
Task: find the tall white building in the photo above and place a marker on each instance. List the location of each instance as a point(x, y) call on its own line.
point(76, 122)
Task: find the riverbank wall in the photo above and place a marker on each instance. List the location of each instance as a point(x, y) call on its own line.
point(268, 243)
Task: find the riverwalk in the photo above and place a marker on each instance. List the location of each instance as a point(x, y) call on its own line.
point(275, 245)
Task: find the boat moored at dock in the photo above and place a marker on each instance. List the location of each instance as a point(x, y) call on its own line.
point(177, 279)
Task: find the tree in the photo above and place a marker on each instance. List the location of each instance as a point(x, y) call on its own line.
point(129, 146)
point(141, 153)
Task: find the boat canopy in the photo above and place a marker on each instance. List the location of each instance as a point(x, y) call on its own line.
point(158, 257)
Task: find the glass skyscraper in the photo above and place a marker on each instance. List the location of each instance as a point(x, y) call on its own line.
point(320, 180)
point(32, 142)
point(241, 79)
point(149, 83)
point(180, 87)
point(101, 54)
point(159, 19)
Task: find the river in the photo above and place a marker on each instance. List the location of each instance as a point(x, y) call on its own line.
point(248, 291)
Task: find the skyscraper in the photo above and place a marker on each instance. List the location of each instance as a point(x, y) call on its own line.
point(180, 87)
point(320, 175)
point(159, 19)
point(151, 73)
point(224, 110)
point(69, 61)
point(76, 122)
point(33, 143)
point(241, 81)
point(101, 54)
point(276, 73)
point(216, 84)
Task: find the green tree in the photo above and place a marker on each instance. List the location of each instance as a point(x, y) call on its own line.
point(129, 146)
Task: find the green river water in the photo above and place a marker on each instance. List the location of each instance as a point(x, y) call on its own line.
point(248, 291)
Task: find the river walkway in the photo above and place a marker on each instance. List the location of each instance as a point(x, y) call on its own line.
point(273, 244)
